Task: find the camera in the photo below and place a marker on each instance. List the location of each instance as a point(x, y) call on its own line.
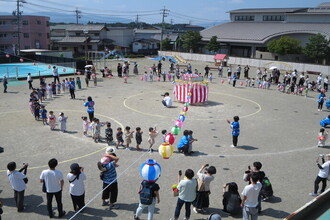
point(180, 172)
point(207, 165)
point(321, 155)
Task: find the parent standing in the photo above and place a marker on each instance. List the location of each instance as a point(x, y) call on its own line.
point(90, 108)
point(56, 75)
point(76, 179)
point(29, 79)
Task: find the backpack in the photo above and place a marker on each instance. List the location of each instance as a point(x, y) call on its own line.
point(146, 193)
point(266, 189)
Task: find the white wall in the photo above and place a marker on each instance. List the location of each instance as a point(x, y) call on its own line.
point(300, 67)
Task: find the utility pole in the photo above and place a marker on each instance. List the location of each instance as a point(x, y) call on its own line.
point(78, 12)
point(171, 21)
point(164, 13)
point(137, 21)
point(18, 14)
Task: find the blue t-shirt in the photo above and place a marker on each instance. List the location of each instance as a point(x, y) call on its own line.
point(43, 113)
point(321, 98)
point(90, 106)
point(110, 176)
point(183, 141)
point(235, 128)
point(72, 85)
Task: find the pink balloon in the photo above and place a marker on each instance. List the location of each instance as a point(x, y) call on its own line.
point(178, 123)
point(35, 63)
point(21, 60)
point(64, 70)
point(93, 75)
point(125, 77)
point(141, 78)
point(150, 68)
point(184, 109)
point(109, 76)
point(260, 86)
point(49, 67)
point(241, 83)
point(222, 81)
point(78, 73)
point(7, 55)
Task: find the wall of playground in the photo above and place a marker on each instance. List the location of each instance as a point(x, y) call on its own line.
point(300, 67)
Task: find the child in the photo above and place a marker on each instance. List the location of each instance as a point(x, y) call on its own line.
point(235, 130)
point(67, 84)
point(78, 82)
point(39, 93)
point(62, 119)
point(63, 85)
point(145, 76)
point(43, 113)
point(152, 135)
point(191, 140)
point(109, 133)
point(43, 93)
point(85, 125)
point(51, 120)
point(94, 79)
point(96, 129)
point(128, 137)
point(210, 77)
point(108, 156)
point(49, 91)
point(252, 82)
point(164, 133)
point(36, 110)
point(119, 137)
point(323, 136)
point(58, 88)
point(151, 77)
point(169, 76)
point(138, 138)
point(53, 88)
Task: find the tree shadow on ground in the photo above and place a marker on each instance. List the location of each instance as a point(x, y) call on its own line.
point(247, 147)
point(273, 213)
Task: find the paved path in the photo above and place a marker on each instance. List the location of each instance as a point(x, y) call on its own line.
point(277, 129)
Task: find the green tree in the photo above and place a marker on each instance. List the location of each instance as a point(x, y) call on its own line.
point(213, 45)
point(317, 48)
point(191, 40)
point(284, 45)
point(166, 44)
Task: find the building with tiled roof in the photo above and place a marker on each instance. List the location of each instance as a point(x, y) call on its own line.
point(250, 30)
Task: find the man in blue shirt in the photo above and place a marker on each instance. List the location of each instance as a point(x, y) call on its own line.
point(235, 130)
point(183, 144)
point(110, 185)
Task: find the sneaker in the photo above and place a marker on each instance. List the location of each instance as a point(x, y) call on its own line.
point(62, 214)
point(195, 210)
point(313, 194)
point(232, 146)
point(128, 148)
point(114, 206)
point(136, 218)
point(105, 203)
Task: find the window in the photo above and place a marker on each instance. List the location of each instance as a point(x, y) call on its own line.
point(38, 22)
point(78, 34)
point(64, 48)
point(89, 47)
point(273, 18)
point(3, 35)
point(244, 18)
point(26, 35)
point(2, 22)
point(96, 34)
point(47, 23)
point(37, 43)
point(25, 22)
point(48, 35)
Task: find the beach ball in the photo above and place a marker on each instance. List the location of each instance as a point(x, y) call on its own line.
point(78, 73)
point(150, 170)
point(183, 113)
point(35, 63)
point(7, 55)
point(64, 70)
point(165, 150)
point(185, 109)
point(175, 130)
point(241, 83)
point(169, 138)
point(178, 123)
point(182, 118)
point(186, 104)
point(49, 67)
point(222, 81)
point(21, 60)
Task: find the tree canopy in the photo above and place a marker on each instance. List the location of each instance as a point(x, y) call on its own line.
point(213, 45)
point(317, 48)
point(191, 40)
point(166, 44)
point(284, 45)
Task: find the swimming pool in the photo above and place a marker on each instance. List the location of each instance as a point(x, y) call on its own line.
point(20, 70)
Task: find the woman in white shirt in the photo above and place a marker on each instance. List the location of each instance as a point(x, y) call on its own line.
point(76, 178)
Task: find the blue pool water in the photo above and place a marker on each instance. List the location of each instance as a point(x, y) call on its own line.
point(20, 70)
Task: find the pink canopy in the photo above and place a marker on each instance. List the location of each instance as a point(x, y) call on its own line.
point(220, 56)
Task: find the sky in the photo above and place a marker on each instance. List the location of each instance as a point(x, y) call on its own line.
point(180, 11)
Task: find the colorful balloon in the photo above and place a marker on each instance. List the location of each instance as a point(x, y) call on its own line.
point(183, 113)
point(222, 81)
point(185, 109)
point(150, 170)
point(169, 138)
point(165, 150)
point(78, 73)
point(186, 104)
point(175, 130)
point(7, 55)
point(241, 83)
point(21, 60)
point(182, 118)
point(178, 123)
point(64, 70)
point(49, 67)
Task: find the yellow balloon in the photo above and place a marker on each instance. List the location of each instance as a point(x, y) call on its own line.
point(165, 150)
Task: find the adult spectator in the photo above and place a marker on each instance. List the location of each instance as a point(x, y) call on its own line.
point(110, 185)
point(322, 175)
point(326, 83)
point(159, 67)
point(154, 188)
point(167, 101)
point(119, 70)
point(238, 71)
point(56, 75)
point(246, 71)
point(90, 108)
point(231, 199)
point(205, 177)
point(250, 198)
point(183, 145)
point(76, 178)
point(5, 83)
point(18, 182)
point(29, 80)
point(53, 183)
point(207, 70)
point(187, 193)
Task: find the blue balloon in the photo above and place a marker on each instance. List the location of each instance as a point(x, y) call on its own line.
point(150, 170)
point(182, 118)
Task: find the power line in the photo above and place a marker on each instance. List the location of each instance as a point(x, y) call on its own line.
point(78, 12)
point(164, 14)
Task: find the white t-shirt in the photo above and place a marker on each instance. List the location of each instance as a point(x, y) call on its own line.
point(323, 173)
point(55, 72)
point(52, 179)
point(77, 187)
point(168, 101)
point(16, 180)
point(187, 190)
point(251, 192)
point(29, 78)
